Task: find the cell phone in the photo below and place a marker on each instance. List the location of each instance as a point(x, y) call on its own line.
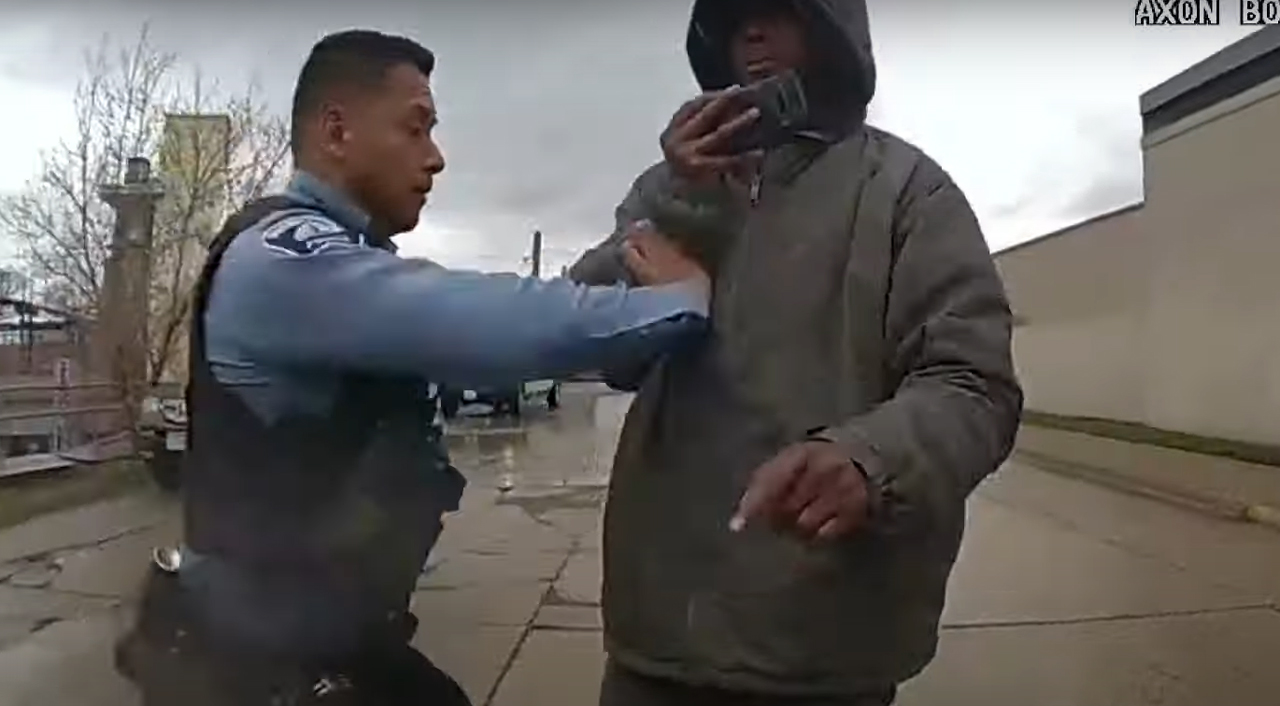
point(784, 111)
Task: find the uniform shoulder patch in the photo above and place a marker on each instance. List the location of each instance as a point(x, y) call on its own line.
point(303, 234)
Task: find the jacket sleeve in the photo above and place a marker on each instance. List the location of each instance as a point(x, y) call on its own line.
point(954, 415)
point(603, 263)
point(701, 221)
point(328, 301)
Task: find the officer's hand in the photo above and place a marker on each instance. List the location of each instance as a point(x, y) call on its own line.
point(654, 259)
point(694, 141)
point(811, 489)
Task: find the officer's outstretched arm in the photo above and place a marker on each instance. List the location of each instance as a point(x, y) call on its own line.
point(321, 300)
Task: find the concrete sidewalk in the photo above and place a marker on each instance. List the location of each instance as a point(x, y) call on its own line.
point(1219, 486)
point(513, 564)
point(511, 608)
point(1065, 594)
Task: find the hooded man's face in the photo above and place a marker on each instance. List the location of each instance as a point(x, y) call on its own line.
point(767, 39)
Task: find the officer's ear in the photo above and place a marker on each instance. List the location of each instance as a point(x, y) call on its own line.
point(334, 129)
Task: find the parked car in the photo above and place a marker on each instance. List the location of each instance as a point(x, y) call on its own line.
point(163, 424)
point(504, 400)
point(163, 433)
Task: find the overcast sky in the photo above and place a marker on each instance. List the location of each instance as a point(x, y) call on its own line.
point(551, 107)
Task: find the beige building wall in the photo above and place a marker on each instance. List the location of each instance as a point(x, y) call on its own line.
point(1077, 316)
point(194, 163)
point(1166, 314)
point(194, 160)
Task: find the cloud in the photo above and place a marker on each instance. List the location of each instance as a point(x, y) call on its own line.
point(550, 109)
point(1102, 171)
point(548, 112)
point(42, 117)
point(1114, 168)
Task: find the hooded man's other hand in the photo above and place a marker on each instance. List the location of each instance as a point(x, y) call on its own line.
point(654, 259)
point(810, 489)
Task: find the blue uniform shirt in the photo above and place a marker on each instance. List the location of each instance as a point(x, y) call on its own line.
point(302, 297)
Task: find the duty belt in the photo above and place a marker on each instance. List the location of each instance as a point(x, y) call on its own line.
point(192, 573)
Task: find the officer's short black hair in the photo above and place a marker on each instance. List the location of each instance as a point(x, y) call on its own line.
point(357, 58)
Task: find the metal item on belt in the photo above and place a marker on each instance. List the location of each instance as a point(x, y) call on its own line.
point(167, 559)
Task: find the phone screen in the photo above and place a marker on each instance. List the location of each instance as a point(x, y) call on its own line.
point(784, 110)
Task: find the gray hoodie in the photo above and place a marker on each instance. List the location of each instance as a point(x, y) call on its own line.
point(856, 300)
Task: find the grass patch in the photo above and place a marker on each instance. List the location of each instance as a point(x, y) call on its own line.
point(1142, 434)
point(26, 497)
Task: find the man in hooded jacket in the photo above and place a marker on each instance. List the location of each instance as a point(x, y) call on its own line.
point(787, 502)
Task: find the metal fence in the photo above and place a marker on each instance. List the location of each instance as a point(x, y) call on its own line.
point(62, 406)
point(49, 423)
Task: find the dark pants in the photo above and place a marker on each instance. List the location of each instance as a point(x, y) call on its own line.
point(174, 663)
point(623, 687)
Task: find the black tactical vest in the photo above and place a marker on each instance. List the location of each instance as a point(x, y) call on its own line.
point(348, 504)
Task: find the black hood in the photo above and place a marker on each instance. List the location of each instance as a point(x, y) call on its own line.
point(839, 35)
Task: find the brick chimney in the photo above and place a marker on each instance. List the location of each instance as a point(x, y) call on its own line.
point(120, 337)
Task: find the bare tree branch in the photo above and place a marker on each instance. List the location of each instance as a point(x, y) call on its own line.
point(222, 149)
point(13, 284)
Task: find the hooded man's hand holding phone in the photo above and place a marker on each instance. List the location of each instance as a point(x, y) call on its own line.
point(695, 142)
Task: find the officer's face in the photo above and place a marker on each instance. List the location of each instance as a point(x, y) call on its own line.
point(768, 39)
point(392, 156)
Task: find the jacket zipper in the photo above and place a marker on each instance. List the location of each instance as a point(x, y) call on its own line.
point(757, 181)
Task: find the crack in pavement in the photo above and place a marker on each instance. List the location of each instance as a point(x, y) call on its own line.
point(553, 597)
point(53, 556)
point(45, 623)
point(31, 622)
point(570, 498)
point(50, 591)
point(34, 573)
point(1116, 618)
point(565, 628)
point(529, 626)
point(1079, 529)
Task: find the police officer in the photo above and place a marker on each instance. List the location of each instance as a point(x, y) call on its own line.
point(316, 475)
